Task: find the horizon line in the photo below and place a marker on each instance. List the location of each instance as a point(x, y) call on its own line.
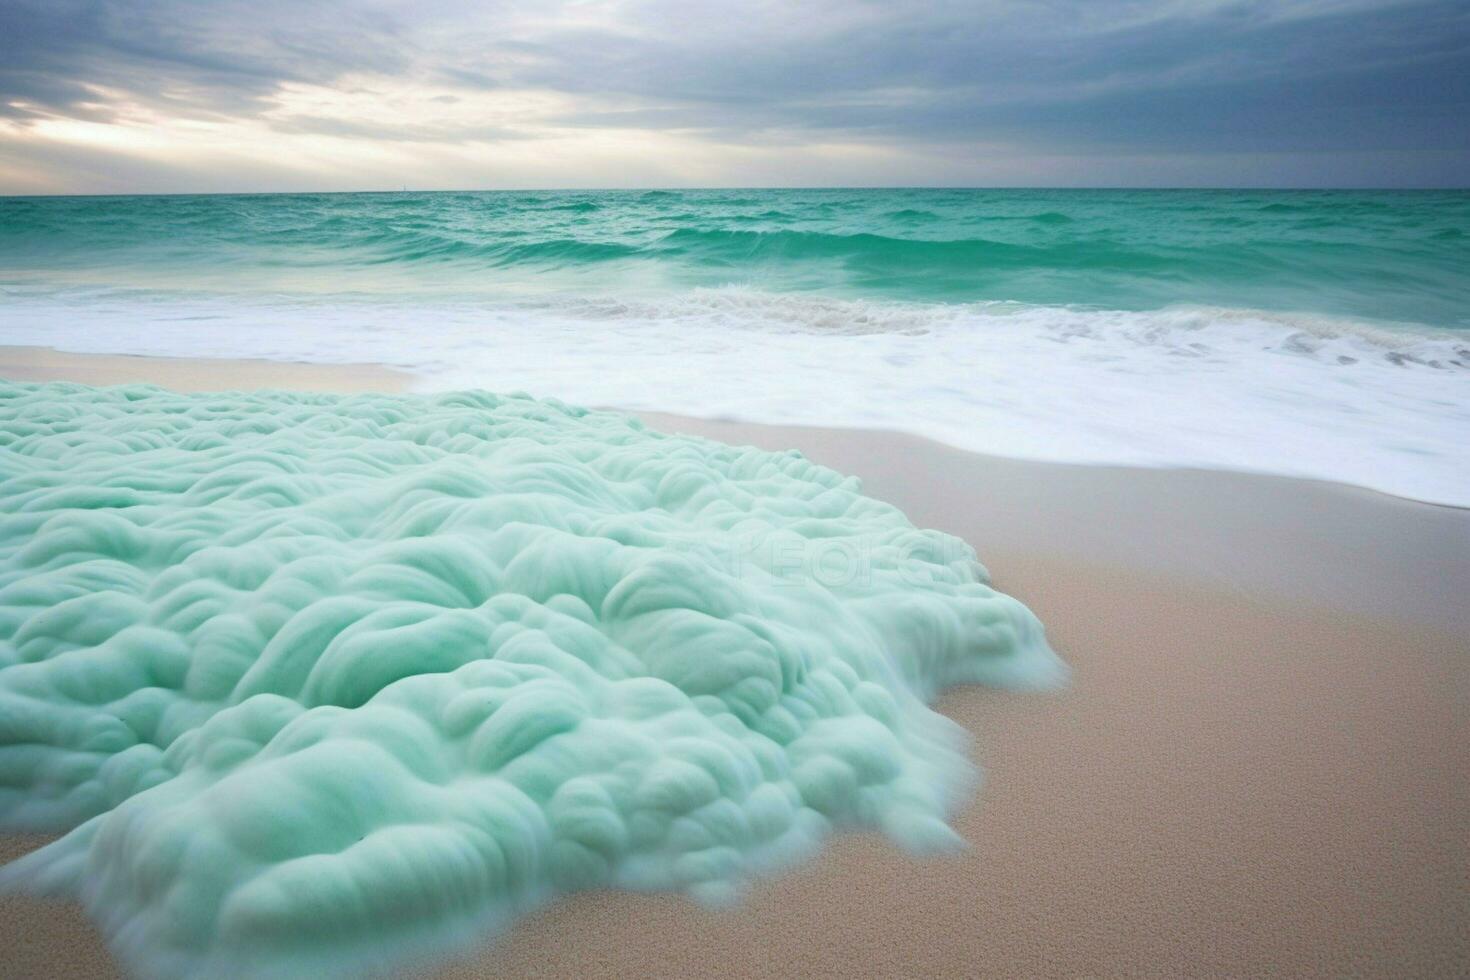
point(773, 187)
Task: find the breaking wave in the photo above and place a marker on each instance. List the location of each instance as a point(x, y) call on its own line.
point(1378, 405)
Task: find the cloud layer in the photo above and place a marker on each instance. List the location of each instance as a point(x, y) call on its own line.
point(133, 95)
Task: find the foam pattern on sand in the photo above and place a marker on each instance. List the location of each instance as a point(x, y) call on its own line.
point(320, 684)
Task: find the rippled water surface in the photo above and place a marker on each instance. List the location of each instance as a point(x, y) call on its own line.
point(1317, 333)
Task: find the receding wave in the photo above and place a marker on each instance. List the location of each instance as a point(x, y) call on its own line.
point(1319, 334)
point(1375, 404)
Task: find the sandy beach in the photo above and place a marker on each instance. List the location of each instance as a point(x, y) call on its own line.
point(1258, 767)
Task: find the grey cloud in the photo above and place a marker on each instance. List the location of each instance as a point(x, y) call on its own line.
point(1073, 76)
point(368, 129)
point(225, 56)
point(1375, 78)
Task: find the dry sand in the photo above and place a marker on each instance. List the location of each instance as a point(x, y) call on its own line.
point(1260, 766)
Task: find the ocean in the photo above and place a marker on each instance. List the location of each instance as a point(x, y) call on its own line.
point(1323, 334)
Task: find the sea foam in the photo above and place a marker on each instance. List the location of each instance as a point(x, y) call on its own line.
point(318, 685)
point(1376, 405)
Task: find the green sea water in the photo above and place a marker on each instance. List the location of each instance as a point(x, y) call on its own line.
point(1394, 256)
point(1313, 333)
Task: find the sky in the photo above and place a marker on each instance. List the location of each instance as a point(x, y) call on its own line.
point(145, 96)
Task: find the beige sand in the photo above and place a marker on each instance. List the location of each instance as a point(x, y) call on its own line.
point(1259, 768)
point(193, 374)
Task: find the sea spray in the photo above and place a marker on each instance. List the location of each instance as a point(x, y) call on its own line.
point(321, 684)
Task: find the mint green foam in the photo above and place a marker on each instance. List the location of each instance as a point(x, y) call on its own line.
point(323, 684)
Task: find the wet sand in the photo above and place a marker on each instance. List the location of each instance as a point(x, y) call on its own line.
point(194, 374)
point(1258, 768)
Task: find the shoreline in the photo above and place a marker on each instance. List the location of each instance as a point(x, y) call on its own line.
point(1217, 527)
point(1254, 769)
point(195, 374)
point(205, 370)
point(20, 362)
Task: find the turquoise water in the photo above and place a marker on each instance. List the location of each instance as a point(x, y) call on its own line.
point(1313, 333)
point(1396, 256)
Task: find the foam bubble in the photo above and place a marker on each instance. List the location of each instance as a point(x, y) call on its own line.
point(1376, 405)
point(321, 684)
